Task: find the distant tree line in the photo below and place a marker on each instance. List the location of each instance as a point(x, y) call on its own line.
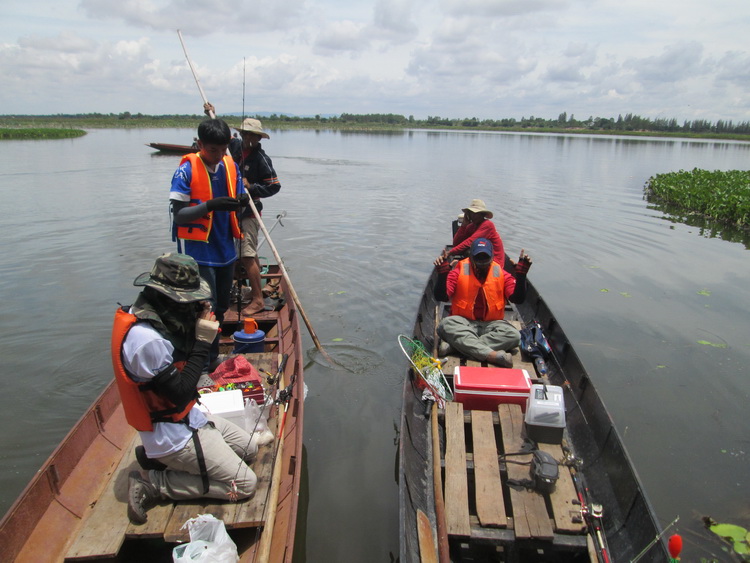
point(628, 123)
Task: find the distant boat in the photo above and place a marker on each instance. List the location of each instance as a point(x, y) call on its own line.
point(172, 149)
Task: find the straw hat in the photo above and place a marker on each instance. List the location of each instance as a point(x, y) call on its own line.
point(254, 126)
point(478, 206)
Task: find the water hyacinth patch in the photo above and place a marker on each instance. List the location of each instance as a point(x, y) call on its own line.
point(720, 195)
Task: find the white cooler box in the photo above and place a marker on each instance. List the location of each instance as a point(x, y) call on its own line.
point(226, 404)
point(545, 414)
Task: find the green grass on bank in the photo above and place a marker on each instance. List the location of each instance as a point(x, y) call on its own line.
point(33, 133)
point(720, 195)
point(347, 122)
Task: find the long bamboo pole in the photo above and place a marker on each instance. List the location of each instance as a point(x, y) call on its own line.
point(282, 269)
point(264, 547)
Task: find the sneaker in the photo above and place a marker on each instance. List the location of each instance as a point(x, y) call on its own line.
point(444, 349)
point(500, 359)
point(141, 496)
point(146, 462)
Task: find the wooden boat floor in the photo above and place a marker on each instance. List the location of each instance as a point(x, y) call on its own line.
point(105, 527)
point(480, 505)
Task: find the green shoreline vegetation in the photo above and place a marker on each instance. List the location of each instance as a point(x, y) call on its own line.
point(38, 133)
point(628, 125)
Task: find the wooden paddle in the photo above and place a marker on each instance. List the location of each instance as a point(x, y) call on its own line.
point(426, 540)
point(437, 480)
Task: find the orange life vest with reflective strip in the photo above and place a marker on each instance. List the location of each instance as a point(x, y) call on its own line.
point(468, 287)
point(142, 405)
point(200, 192)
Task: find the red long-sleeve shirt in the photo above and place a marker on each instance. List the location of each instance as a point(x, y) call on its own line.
point(469, 232)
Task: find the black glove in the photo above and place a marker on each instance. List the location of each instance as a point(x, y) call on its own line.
point(244, 200)
point(523, 264)
point(223, 204)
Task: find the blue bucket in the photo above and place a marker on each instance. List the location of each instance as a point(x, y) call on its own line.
point(249, 340)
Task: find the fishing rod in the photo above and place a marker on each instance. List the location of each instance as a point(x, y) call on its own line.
point(548, 350)
point(279, 217)
point(656, 539)
point(256, 213)
point(592, 513)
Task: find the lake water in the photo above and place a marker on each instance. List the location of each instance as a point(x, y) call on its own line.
point(658, 311)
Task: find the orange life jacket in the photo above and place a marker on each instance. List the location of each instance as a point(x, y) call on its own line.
point(200, 192)
point(468, 287)
point(142, 405)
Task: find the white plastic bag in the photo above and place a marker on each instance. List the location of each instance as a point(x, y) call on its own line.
point(256, 421)
point(209, 542)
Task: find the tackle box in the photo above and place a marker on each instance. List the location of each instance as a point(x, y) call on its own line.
point(545, 415)
point(483, 389)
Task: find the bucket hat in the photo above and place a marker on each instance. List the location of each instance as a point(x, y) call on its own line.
point(176, 276)
point(478, 206)
point(254, 126)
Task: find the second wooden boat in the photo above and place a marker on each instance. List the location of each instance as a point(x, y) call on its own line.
point(459, 493)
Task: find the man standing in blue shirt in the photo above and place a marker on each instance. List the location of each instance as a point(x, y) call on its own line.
point(207, 196)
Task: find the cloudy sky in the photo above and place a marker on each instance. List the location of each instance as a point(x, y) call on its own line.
point(687, 59)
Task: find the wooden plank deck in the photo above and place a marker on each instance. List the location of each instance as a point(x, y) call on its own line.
point(479, 502)
point(106, 526)
point(456, 485)
point(476, 488)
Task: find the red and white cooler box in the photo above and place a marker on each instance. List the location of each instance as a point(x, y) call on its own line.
point(483, 389)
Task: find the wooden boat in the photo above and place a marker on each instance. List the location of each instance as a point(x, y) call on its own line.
point(454, 496)
point(75, 507)
point(172, 149)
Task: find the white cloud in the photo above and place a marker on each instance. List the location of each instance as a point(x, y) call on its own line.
point(483, 58)
point(341, 36)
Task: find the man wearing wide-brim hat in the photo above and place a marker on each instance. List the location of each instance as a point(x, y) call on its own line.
point(260, 181)
point(476, 224)
point(159, 348)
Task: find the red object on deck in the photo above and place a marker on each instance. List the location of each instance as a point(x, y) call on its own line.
point(483, 389)
point(239, 371)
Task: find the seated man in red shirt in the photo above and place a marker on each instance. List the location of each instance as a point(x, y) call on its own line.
point(478, 288)
point(476, 224)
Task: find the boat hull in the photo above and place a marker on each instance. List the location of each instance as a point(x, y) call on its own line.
point(171, 149)
point(628, 523)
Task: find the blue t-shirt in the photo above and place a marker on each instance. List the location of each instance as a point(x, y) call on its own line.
point(220, 250)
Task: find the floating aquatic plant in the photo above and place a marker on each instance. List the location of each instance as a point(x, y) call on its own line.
point(738, 536)
point(714, 344)
point(721, 195)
